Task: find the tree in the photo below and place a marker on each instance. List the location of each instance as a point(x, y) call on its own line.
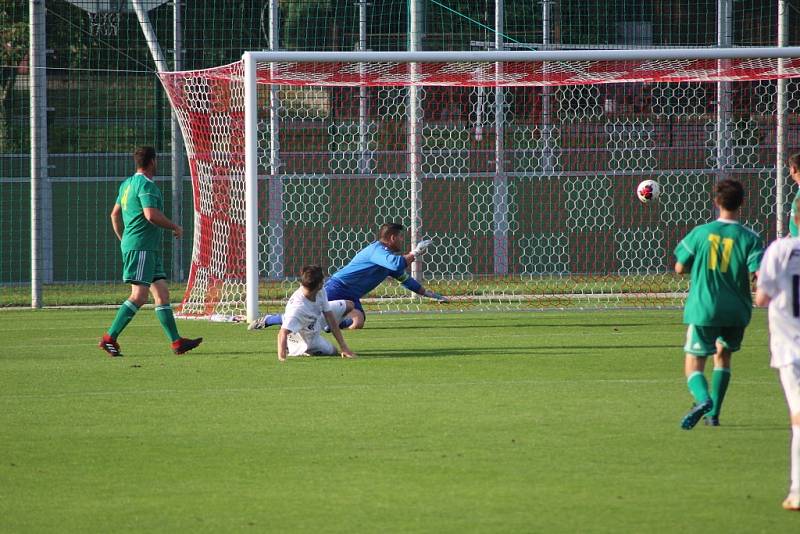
point(13, 51)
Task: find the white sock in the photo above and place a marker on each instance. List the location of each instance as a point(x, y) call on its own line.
point(794, 460)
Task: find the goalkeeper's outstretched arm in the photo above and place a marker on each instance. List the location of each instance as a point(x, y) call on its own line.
point(411, 284)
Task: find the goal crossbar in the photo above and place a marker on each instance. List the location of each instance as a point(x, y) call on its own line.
point(641, 54)
point(520, 68)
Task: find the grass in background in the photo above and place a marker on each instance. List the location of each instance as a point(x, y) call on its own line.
point(548, 422)
point(541, 291)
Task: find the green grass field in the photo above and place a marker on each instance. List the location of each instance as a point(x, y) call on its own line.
point(526, 422)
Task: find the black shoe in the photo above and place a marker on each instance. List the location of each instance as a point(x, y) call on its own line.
point(711, 421)
point(695, 414)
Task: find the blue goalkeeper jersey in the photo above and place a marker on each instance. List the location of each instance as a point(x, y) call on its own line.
point(368, 269)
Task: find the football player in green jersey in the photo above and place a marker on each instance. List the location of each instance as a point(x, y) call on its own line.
point(720, 256)
point(794, 172)
point(138, 220)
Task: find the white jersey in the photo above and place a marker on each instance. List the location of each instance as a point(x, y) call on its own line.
point(779, 278)
point(303, 316)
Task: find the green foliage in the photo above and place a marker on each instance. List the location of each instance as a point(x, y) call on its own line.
point(13, 36)
point(13, 49)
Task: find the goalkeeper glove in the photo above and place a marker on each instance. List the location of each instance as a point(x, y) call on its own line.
point(421, 246)
point(435, 296)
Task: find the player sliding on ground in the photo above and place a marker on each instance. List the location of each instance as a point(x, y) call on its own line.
point(138, 220)
point(301, 334)
point(720, 256)
point(779, 288)
point(366, 271)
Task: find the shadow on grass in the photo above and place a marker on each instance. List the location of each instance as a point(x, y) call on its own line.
point(569, 350)
point(481, 326)
point(755, 427)
point(441, 352)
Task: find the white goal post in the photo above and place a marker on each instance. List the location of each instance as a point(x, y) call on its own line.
point(298, 157)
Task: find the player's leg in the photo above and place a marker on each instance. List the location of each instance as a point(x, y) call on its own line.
point(296, 344)
point(265, 321)
point(699, 345)
point(319, 346)
point(790, 380)
point(163, 309)
point(340, 309)
point(728, 342)
point(357, 315)
point(134, 271)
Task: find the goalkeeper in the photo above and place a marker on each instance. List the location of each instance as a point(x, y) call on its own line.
point(367, 270)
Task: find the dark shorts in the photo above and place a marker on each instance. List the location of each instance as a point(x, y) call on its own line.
point(336, 291)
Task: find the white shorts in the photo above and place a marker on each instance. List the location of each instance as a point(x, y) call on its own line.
point(790, 380)
point(312, 343)
point(309, 345)
point(338, 307)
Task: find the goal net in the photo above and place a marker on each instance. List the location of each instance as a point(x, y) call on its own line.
point(520, 166)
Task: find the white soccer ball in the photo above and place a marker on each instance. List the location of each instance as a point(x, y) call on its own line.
point(648, 191)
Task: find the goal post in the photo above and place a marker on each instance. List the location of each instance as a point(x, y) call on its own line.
point(573, 231)
point(251, 185)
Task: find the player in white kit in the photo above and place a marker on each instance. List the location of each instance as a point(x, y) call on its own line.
point(307, 309)
point(779, 287)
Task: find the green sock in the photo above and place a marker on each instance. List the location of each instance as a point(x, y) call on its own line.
point(124, 315)
point(167, 320)
point(698, 386)
point(719, 385)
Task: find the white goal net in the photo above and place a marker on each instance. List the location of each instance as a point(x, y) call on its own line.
point(521, 167)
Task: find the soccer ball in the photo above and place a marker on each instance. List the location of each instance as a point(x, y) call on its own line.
point(648, 191)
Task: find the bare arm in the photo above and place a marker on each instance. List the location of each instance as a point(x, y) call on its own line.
point(116, 221)
point(762, 299)
point(155, 216)
point(337, 333)
point(283, 349)
point(681, 268)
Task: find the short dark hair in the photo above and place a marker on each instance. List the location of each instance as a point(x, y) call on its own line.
point(311, 276)
point(729, 194)
point(794, 160)
point(389, 229)
point(143, 156)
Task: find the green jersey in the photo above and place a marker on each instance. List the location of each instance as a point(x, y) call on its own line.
point(721, 255)
point(135, 194)
point(793, 230)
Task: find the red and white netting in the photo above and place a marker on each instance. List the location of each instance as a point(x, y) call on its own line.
point(513, 73)
point(563, 226)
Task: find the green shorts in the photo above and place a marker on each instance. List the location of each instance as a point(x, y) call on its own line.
point(142, 267)
point(702, 340)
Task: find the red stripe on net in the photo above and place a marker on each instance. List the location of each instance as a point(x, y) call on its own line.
point(189, 286)
point(205, 241)
point(199, 124)
point(236, 265)
point(213, 294)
